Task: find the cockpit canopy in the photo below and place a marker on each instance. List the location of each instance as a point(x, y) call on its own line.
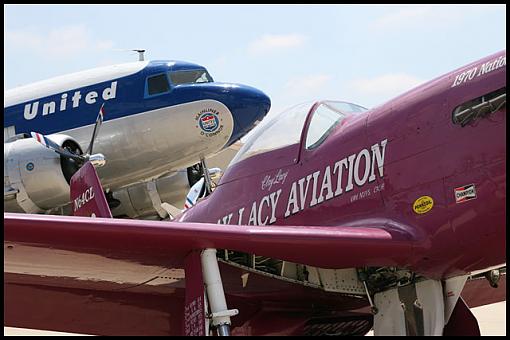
point(286, 128)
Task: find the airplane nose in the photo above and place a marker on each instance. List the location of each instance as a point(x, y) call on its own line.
point(248, 106)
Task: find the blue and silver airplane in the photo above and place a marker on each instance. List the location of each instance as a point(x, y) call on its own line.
point(160, 117)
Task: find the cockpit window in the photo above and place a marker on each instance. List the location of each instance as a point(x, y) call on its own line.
point(345, 107)
point(324, 119)
point(157, 84)
point(190, 76)
point(284, 129)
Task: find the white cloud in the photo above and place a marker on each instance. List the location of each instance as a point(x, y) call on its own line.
point(298, 90)
point(220, 62)
point(60, 43)
point(308, 85)
point(402, 17)
point(414, 16)
point(388, 85)
point(276, 42)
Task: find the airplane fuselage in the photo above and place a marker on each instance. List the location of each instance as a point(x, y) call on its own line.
point(420, 180)
point(406, 166)
point(160, 116)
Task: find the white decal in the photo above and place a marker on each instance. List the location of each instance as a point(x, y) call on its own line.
point(83, 198)
point(339, 165)
point(349, 186)
point(378, 155)
point(263, 211)
point(31, 109)
point(259, 221)
point(303, 193)
point(48, 108)
point(278, 178)
point(314, 193)
point(293, 199)
point(90, 98)
point(240, 215)
point(253, 214)
point(274, 202)
point(366, 193)
point(476, 71)
point(225, 220)
point(326, 185)
point(357, 180)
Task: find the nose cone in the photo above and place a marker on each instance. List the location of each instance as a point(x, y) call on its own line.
point(248, 106)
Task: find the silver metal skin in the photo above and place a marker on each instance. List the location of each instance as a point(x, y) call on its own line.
point(223, 330)
point(148, 145)
point(22, 159)
point(136, 201)
point(98, 160)
point(141, 147)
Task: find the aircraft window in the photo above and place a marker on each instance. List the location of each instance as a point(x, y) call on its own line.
point(284, 129)
point(157, 84)
point(324, 119)
point(190, 76)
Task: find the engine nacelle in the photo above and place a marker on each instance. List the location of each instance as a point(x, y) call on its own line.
point(36, 178)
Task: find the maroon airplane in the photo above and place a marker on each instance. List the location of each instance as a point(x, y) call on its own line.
point(332, 219)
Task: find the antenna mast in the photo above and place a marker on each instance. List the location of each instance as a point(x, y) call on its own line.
point(140, 54)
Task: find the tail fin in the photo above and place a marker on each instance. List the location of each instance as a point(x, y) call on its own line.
point(87, 196)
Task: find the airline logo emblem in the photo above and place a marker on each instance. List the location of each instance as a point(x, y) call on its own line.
point(465, 193)
point(209, 122)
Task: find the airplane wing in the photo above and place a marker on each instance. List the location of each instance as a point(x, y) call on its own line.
point(94, 251)
point(157, 242)
point(44, 251)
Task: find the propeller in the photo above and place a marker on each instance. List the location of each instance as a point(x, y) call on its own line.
point(99, 121)
point(96, 159)
point(45, 141)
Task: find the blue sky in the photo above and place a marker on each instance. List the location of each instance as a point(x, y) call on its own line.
point(366, 54)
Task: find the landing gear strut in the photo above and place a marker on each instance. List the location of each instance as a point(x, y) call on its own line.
point(415, 309)
point(208, 181)
point(220, 315)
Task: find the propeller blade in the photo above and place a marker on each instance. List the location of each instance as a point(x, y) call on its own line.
point(99, 121)
point(45, 141)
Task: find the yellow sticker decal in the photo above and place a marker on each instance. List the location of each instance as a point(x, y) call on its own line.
point(423, 204)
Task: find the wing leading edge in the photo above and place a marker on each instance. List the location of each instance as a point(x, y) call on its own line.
point(372, 243)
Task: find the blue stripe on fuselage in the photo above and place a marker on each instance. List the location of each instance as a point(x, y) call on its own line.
point(129, 100)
